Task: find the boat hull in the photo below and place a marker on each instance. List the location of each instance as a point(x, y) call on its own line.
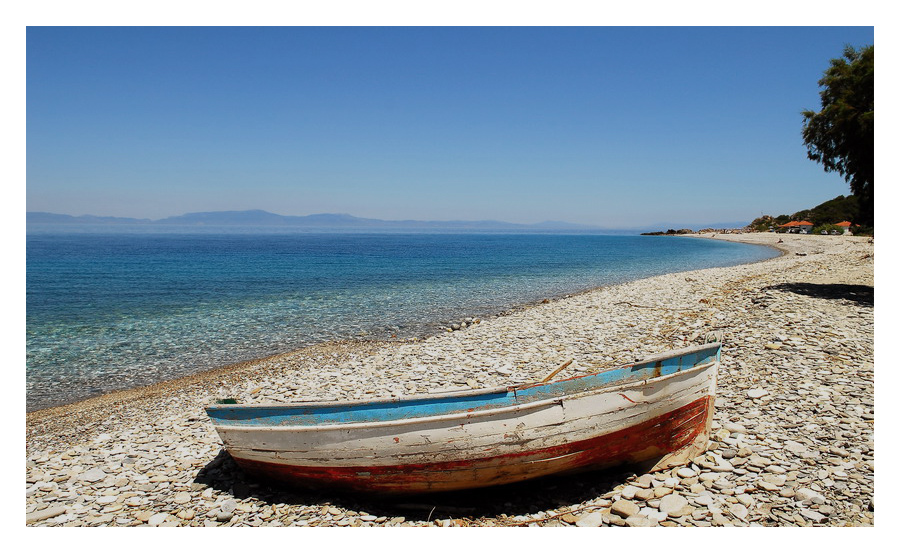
point(657, 412)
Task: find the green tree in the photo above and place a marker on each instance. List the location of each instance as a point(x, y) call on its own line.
point(842, 135)
point(828, 228)
point(801, 215)
point(842, 208)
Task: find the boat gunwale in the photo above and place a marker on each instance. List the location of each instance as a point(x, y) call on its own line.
point(473, 393)
point(468, 415)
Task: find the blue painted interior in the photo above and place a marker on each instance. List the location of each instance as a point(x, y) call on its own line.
point(397, 409)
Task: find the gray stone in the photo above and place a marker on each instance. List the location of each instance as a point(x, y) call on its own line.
point(228, 506)
point(93, 475)
point(813, 515)
point(806, 494)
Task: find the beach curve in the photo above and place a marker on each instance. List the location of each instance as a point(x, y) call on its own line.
point(758, 307)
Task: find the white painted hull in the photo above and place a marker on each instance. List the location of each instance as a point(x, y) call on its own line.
point(665, 419)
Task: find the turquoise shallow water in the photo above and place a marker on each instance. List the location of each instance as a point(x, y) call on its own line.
point(112, 311)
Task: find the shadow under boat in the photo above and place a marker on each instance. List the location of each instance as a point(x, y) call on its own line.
point(522, 498)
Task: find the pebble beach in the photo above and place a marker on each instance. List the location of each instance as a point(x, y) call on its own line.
point(792, 441)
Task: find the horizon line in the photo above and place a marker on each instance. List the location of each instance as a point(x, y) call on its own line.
point(262, 212)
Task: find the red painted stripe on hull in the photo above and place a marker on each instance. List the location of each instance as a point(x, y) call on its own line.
point(645, 441)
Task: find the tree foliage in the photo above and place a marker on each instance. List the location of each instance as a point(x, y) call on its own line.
point(842, 208)
point(828, 229)
point(842, 135)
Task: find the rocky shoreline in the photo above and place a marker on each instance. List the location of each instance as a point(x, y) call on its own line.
point(793, 440)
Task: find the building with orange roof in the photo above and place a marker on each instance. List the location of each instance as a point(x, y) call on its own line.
point(797, 227)
point(845, 226)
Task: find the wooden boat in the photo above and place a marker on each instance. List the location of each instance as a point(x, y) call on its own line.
point(656, 412)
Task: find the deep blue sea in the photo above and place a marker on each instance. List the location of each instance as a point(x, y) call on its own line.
point(111, 311)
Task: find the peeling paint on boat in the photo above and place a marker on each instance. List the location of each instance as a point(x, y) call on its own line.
point(657, 410)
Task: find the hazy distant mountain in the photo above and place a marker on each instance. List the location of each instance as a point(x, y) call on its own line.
point(260, 218)
point(338, 221)
point(255, 217)
point(697, 226)
point(57, 219)
point(320, 220)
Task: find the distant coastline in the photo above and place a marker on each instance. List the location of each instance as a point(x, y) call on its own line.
point(323, 221)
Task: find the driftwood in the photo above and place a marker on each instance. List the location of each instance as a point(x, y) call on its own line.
point(555, 372)
point(656, 306)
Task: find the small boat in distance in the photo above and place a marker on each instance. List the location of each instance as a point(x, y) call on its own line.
point(656, 412)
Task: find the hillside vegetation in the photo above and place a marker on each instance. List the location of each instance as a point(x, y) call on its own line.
point(842, 208)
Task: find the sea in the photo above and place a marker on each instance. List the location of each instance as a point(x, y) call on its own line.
point(108, 310)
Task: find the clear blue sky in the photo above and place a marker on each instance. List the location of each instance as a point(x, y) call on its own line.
point(616, 127)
